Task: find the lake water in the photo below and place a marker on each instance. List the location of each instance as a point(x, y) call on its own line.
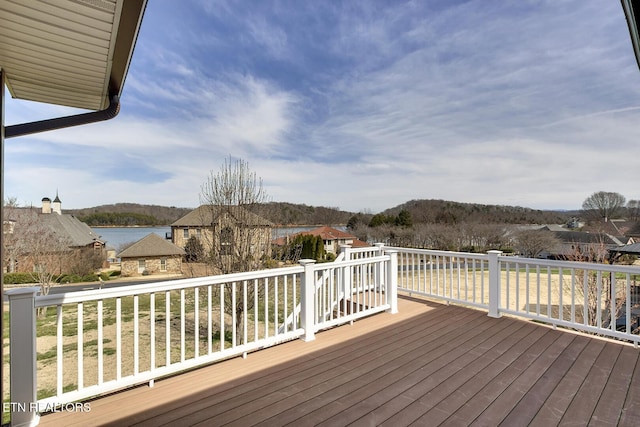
point(116, 237)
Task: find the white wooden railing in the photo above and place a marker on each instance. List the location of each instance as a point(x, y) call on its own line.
point(92, 342)
point(597, 298)
point(113, 338)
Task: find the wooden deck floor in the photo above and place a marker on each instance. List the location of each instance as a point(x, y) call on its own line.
point(428, 365)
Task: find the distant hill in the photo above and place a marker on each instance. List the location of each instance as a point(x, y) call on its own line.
point(442, 211)
point(282, 213)
point(128, 214)
point(132, 214)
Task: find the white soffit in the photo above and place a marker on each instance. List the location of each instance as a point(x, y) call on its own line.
point(68, 52)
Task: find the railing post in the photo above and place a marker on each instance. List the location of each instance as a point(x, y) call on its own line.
point(307, 300)
point(346, 249)
point(22, 336)
point(392, 281)
point(494, 283)
point(380, 247)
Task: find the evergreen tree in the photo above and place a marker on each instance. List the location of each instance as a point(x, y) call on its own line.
point(194, 250)
point(404, 219)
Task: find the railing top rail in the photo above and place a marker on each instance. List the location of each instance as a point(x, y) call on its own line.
point(435, 252)
point(349, 263)
point(152, 287)
point(146, 288)
point(364, 249)
point(575, 265)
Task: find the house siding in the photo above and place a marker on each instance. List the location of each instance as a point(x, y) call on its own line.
point(209, 235)
point(129, 266)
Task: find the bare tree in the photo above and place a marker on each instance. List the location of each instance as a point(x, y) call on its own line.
point(238, 238)
point(232, 201)
point(603, 205)
point(603, 303)
point(633, 210)
point(531, 243)
point(35, 248)
point(11, 202)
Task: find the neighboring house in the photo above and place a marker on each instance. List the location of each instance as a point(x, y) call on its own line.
point(221, 229)
point(620, 230)
point(332, 238)
point(151, 255)
point(75, 236)
point(628, 249)
point(581, 245)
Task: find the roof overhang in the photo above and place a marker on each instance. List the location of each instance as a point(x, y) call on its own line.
point(74, 53)
point(631, 12)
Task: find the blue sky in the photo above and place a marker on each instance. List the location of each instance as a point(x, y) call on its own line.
point(360, 105)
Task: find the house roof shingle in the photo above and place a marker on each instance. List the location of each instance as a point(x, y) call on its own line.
point(74, 232)
point(633, 248)
point(151, 245)
point(585, 238)
point(329, 233)
point(326, 233)
point(205, 215)
point(77, 232)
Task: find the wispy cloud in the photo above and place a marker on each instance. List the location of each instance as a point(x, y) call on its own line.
point(361, 105)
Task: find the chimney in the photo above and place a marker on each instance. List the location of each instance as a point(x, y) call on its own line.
point(46, 205)
point(57, 204)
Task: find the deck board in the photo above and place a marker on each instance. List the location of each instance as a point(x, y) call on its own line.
point(581, 409)
point(477, 377)
point(430, 364)
point(609, 407)
point(561, 397)
point(441, 388)
point(356, 370)
point(426, 375)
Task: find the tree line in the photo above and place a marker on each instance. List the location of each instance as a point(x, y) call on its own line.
point(131, 213)
point(125, 219)
point(284, 213)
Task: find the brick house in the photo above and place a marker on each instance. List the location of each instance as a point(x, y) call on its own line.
point(331, 237)
point(151, 255)
point(59, 238)
point(224, 231)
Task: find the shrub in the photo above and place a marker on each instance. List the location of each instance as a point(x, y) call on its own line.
point(92, 277)
point(17, 278)
point(68, 278)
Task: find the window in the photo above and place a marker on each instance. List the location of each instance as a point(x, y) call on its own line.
point(226, 241)
point(163, 264)
point(185, 233)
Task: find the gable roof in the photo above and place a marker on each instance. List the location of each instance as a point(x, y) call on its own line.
point(71, 228)
point(581, 237)
point(329, 233)
point(74, 232)
point(68, 52)
point(325, 233)
point(151, 245)
point(205, 215)
point(633, 248)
